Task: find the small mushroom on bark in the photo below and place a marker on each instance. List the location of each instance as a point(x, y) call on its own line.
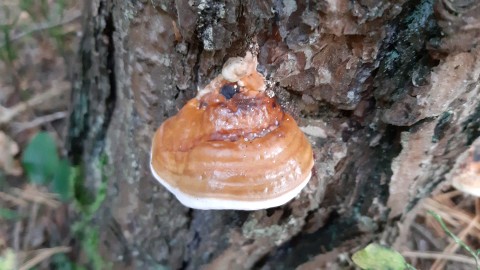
point(232, 146)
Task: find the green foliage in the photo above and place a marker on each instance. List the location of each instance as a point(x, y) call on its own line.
point(7, 214)
point(62, 262)
point(86, 202)
point(7, 51)
point(63, 180)
point(90, 243)
point(377, 257)
point(7, 260)
point(40, 158)
point(84, 228)
point(44, 166)
point(457, 240)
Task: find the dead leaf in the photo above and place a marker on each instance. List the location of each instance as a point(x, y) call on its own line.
point(8, 163)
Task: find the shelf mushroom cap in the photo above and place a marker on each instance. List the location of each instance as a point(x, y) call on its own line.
point(232, 147)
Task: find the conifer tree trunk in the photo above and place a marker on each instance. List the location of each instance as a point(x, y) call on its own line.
point(386, 91)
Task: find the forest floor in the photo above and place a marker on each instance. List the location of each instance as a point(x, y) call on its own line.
point(43, 225)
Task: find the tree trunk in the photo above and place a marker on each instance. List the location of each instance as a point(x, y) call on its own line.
point(386, 91)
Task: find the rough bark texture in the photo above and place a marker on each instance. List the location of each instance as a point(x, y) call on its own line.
point(387, 92)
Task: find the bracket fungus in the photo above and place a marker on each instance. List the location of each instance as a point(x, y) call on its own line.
point(232, 146)
point(467, 176)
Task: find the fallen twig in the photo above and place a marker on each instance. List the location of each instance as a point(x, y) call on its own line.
point(449, 213)
point(32, 218)
point(34, 195)
point(427, 235)
point(439, 255)
point(457, 241)
point(42, 255)
point(16, 240)
point(19, 127)
point(7, 114)
point(7, 197)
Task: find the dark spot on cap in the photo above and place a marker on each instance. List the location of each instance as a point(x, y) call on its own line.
point(202, 105)
point(228, 91)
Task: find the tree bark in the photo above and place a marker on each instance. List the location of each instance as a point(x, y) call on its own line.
point(386, 91)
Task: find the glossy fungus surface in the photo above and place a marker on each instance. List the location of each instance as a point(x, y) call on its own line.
point(232, 147)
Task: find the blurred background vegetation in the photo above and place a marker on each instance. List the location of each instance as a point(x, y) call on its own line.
point(45, 210)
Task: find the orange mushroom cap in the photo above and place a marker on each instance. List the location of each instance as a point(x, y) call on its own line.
point(232, 150)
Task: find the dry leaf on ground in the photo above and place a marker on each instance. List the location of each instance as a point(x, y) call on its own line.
point(8, 163)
